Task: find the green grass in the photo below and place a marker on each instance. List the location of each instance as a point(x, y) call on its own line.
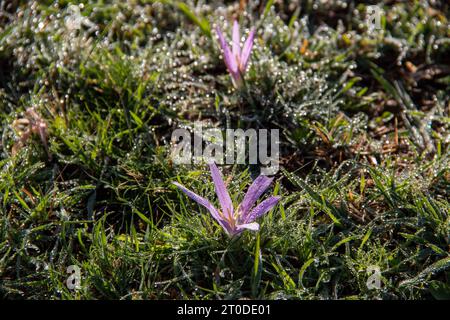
point(364, 121)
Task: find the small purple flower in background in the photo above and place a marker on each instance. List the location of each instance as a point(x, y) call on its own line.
point(236, 221)
point(236, 59)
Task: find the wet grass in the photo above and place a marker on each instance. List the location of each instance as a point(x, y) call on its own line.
point(364, 119)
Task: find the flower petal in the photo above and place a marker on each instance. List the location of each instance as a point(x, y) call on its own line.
point(236, 40)
point(254, 226)
point(262, 208)
point(202, 201)
point(246, 51)
point(228, 57)
point(221, 190)
point(258, 187)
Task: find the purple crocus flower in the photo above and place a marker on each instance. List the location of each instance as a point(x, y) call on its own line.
point(236, 59)
point(231, 220)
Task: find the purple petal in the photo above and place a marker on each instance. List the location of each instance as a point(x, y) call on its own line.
point(258, 187)
point(254, 226)
point(236, 40)
point(229, 59)
point(221, 190)
point(262, 208)
point(246, 51)
point(202, 201)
